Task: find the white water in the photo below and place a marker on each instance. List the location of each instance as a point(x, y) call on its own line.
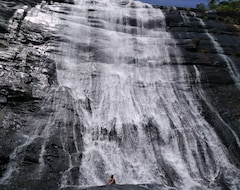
point(139, 119)
point(230, 64)
point(118, 60)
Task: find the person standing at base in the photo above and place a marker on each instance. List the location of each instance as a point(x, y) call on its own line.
point(111, 180)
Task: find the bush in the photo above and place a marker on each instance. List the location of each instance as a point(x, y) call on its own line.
point(227, 6)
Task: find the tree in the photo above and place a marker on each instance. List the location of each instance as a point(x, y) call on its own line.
point(212, 4)
point(225, 5)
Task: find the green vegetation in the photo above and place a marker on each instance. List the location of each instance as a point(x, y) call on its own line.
point(221, 5)
point(228, 11)
point(225, 6)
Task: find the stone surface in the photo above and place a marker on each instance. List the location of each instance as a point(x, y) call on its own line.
point(217, 88)
point(28, 73)
point(122, 187)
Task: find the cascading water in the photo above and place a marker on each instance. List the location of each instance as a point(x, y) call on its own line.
point(124, 105)
point(142, 124)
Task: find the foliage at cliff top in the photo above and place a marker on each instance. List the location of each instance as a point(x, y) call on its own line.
point(225, 6)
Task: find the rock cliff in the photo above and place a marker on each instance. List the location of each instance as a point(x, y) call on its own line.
point(211, 53)
point(27, 73)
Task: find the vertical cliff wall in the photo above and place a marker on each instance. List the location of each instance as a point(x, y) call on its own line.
point(117, 87)
point(211, 53)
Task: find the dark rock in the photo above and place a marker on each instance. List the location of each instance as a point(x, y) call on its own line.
point(32, 152)
point(213, 63)
point(4, 160)
point(122, 187)
point(26, 75)
point(74, 176)
point(3, 99)
point(192, 44)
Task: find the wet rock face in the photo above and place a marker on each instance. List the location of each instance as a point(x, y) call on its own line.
point(26, 72)
point(7, 9)
point(210, 50)
point(28, 78)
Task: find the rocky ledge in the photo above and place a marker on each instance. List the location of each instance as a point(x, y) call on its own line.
point(123, 187)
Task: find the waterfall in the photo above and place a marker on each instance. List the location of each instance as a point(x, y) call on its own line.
point(141, 123)
point(230, 64)
point(123, 105)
